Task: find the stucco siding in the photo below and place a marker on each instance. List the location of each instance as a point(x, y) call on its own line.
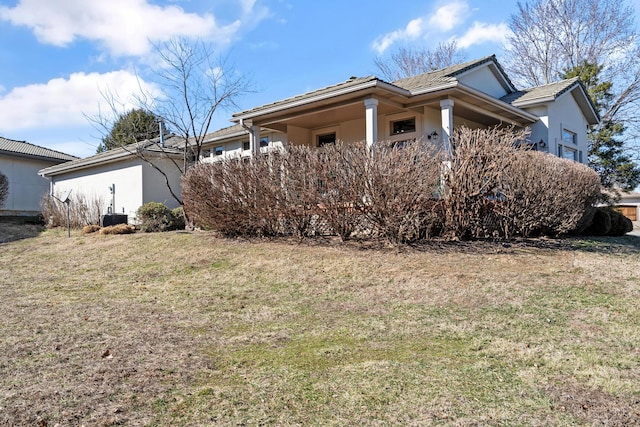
point(565, 113)
point(484, 80)
point(26, 187)
point(298, 135)
point(94, 184)
point(154, 184)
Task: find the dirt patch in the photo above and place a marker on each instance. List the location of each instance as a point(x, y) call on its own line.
point(593, 406)
point(10, 232)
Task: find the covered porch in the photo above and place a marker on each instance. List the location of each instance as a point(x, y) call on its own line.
point(371, 110)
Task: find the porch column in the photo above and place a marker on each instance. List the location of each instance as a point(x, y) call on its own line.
point(254, 139)
point(446, 109)
point(371, 119)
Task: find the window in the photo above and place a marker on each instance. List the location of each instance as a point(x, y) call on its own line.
point(403, 126)
point(218, 151)
point(245, 145)
point(569, 137)
point(327, 138)
point(568, 153)
point(264, 141)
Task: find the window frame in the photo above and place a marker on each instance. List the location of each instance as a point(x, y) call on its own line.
point(393, 123)
point(573, 137)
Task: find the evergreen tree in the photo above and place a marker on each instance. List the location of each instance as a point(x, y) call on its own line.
point(131, 127)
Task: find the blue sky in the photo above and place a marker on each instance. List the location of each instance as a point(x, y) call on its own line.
point(57, 56)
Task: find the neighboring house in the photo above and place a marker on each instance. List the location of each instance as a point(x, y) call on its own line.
point(20, 161)
point(134, 180)
point(629, 205)
point(475, 94)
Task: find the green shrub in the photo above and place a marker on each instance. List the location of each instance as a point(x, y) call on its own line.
point(154, 217)
point(178, 218)
point(608, 222)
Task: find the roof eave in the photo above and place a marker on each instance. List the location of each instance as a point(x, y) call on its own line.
point(371, 84)
point(91, 162)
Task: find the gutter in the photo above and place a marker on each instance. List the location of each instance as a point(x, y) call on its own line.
point(375, 82)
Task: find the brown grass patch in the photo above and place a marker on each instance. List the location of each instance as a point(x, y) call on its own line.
point(188, 329)
point(118, 229)
point(89, 229)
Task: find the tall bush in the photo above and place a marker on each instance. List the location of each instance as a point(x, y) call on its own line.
point(474, 180)
point(401, 182)
point(547, 195)
point(498, 188)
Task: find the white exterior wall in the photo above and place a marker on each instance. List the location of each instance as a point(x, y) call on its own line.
point(565, 113)
point(26, 187)
point(94, 184)
point(155, 187)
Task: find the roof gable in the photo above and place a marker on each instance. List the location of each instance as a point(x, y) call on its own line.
point(26, 149)
point(550, 92)
point(426, 81)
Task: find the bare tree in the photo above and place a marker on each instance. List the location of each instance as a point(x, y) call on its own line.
point(407, 62)
point(195, 84)
point(551, 37)
point(548, 36)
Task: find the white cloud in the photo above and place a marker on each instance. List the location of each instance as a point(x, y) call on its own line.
point(61, 103)
point(449, 16)
point(481, 33)
point(123, 27)
point(444, 18)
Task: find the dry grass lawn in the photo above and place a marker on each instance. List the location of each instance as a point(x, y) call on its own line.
point(187, 329)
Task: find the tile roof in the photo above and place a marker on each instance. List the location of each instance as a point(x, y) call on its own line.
point(540, 93)
point(353, 81)
point(410, 84)
point(227, 131)
point(171, 147)
point(27, 149)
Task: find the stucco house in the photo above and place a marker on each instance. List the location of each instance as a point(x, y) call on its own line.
point(119, 179)
point(475, 94)
point(20, 162)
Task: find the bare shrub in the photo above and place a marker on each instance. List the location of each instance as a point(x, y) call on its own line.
point(497, 188)
point(547, 195)
point(4, 188)
point(236, 197)
point(474, 181)
point(400, 184)
point(306, 191)
point(83, 210)
point(326, 187)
